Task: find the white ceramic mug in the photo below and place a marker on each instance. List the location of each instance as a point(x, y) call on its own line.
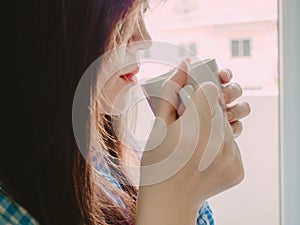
point(199, 72)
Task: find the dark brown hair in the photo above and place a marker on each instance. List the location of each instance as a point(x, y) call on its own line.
point(43, 169)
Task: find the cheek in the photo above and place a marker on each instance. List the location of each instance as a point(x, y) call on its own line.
point(115, 96)
point(114, 92)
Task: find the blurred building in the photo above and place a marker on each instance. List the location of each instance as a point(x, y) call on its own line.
point(241, 35)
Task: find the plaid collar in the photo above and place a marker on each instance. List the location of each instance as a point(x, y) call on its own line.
point(11, 213)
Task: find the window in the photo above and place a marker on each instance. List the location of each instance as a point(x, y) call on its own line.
point(244, 39)
point(246, 47)
point(234, 48)
point(240, 48)
point(289, 18)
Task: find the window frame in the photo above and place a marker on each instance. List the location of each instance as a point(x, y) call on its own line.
point(289, 109)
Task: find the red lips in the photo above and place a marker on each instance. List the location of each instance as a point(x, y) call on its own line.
point(130, 76)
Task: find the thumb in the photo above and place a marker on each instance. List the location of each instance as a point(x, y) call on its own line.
point(167, 106)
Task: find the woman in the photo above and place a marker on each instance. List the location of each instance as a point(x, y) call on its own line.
point(46, 173)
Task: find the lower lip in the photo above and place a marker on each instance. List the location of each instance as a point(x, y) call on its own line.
point(130, 77)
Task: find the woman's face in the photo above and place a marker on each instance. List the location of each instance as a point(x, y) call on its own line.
point(120, 72)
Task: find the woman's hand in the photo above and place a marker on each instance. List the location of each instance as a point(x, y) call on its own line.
point(172, 186)
point(231, 92)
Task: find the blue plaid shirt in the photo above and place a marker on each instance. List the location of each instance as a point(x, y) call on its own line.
point(11, 213)
point(205, 216)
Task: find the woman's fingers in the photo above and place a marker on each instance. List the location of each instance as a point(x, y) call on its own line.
point(225, 76)
point(231, 92)
point(237, 128)
point(238, 111)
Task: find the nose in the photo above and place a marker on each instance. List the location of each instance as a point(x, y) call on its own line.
point(140, 39)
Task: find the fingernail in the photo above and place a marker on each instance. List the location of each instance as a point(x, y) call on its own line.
point(229, 74)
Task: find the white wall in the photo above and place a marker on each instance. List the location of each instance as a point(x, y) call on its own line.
point(256, 199)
